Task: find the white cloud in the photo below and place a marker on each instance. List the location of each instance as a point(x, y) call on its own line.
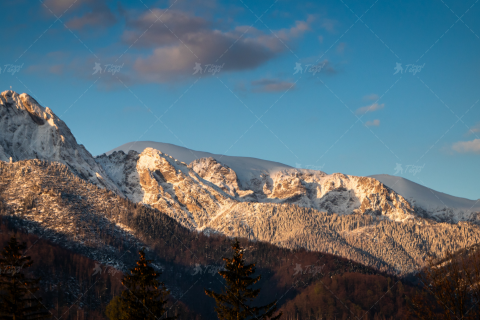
point(272, 85)
point(467, 146)
point(474, 129)
point(374, 123)
point(60, 6)
point(95, 13)
point(242, 48)
point(370, 108)
point(329, 24)
point(341, 47)
point(372, 96)
point(99, 15)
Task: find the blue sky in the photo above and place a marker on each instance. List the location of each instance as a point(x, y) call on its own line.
point(358, 87)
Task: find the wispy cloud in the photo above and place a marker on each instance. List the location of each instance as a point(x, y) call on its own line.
point(370, 108)
point(467, 146)
point(56, 69)
point(372, 96)
point(60, 6)
point(189, 39)
point(329, 24)
point(99, 15)
point(272, 85)
point(341, 47)
point(474, 129)
point(92, 13)
point(374, 123)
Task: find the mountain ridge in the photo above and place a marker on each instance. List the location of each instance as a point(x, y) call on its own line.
point(439, 205)
point(360, 218)
point(437, 208)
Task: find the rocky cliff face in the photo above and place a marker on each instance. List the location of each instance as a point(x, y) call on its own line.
point(30, 131)
point(198, 193)
point(171, 186)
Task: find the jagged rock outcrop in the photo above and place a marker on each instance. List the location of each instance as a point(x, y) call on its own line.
point(216, 173)
point(30, 131)
point(200, 192)
point(171, 186)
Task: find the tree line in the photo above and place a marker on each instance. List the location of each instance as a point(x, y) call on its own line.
point(449, 288)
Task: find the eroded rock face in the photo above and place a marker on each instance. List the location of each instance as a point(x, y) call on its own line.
point(30, 131)
point(198, 193)
point(380, 200)
point(335, 193)
point(163, 182)
point(216, 173)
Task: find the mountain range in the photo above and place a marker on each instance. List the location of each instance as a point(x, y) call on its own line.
point(383, 221)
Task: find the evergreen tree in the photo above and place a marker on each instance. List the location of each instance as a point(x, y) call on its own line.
point(17, 301)
point(114, 309)
point(233, 302)
point(145, 297)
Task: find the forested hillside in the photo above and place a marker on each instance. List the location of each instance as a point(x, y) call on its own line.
point(48, 201)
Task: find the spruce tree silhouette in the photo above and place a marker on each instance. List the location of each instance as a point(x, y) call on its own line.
point(145, 297)
point(17, 301)
point(233, 302)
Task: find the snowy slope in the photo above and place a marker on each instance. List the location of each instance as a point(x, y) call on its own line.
point(436, 203)
point(245, 168)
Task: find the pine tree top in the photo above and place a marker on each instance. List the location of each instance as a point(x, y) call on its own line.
point(145, 296)
point(233, 303)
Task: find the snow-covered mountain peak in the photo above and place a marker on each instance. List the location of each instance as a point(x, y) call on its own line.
point(24, 102)
point(152, 158)
point(31, 131)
